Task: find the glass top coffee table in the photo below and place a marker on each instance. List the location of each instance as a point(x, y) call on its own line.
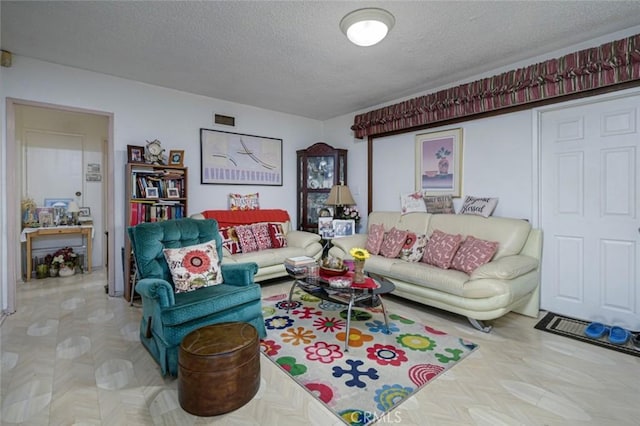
point(358, 296)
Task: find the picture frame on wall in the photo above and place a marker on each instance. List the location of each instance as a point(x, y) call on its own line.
point(439, 162)
point(176, 157)
point(135, 154)
point(228, 158)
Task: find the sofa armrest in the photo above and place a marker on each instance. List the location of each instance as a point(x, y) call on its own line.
point(342, 245)
point(157, 289)
point(302, 239)
point(239, 274)
point(506, 268)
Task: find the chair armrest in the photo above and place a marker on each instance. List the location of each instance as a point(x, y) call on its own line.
point(156, 289)
point(506, 268)
point(238, 274)
point(342, 245)
point(301, 239)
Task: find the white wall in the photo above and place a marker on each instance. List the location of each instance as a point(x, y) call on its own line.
point(144, 112)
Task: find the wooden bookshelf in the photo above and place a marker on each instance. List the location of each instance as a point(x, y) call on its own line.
point(154, 193)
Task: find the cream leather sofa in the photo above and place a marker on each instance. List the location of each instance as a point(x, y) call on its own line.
point(509, 282)
point(270, 261)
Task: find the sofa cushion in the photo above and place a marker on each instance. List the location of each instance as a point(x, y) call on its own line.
point(374, 238)
point(478, 206)
point(472, 253)
point(244, 202)
point(413, 202)
point(441, 248)
point(393, 242)
point(440, 204)
point(247, 240)
point(194, 267)
point(230, 240)
point(413, 248)
point(276, 233)
point(429, 276)
point(261, 234)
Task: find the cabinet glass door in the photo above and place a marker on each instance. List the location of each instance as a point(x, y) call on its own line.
point(320, 172)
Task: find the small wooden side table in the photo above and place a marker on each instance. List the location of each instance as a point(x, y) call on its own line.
point(28, 234)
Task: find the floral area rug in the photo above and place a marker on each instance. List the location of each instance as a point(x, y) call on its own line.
point(379, 371)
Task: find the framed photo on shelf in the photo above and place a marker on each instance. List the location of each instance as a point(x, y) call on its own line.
point(152, 192)
point(176, 157)
point(84, 212)
point(343, 227)
point(135, 154)
point(238, 159)
point(173, 193)
point(325, 226)
point(439, 162)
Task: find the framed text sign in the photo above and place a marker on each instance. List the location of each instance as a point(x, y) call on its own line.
point(238, 159)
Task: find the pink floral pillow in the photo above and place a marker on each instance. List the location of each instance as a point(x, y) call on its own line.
point(276, 233)
point(393, 242)
point(230, 240)
point(413, 248)
point(247, 240)
point(261, 234)
point(441, 248)
point(194, 267)
point(473, 253)
point(374, 239)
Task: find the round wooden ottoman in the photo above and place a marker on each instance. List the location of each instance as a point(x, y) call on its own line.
point(218, 368)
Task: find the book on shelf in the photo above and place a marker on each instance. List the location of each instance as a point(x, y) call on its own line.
point(299, 261)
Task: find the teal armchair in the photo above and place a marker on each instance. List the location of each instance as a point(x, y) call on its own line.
point(167, 317)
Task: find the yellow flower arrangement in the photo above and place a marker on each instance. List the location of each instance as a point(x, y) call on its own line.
point(359, 253)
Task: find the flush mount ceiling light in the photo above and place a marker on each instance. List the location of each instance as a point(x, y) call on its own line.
point(366, 27)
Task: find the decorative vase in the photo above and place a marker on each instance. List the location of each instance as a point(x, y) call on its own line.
point(443, 166)
point(358, 271)
point(66, 271)
point(42, 271)
point(53, 272)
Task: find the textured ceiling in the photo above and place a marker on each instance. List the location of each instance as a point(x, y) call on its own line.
point(291, 56)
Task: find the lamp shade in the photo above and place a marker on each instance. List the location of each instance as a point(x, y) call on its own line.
point(340, 196)
point(73, 207)
point(366, 27)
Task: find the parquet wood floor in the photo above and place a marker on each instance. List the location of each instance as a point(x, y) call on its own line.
point(71, 356)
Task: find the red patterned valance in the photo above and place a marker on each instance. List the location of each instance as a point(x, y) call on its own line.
point(611, 63)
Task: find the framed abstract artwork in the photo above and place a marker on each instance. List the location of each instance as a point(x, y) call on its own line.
point(439, 162)
point(239, 159)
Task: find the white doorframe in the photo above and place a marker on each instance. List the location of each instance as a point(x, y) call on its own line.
point(13, 196)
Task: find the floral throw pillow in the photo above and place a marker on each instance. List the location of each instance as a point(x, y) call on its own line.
point(261, 234)
point(194, 267)
point(276, 233)
point(247, 240)
point(441, 248)
point(413, 202)
point(230, 240)
point(393, 242)
point(374, 238)
point(413, 248)
point(472, 253)
point(478, 206)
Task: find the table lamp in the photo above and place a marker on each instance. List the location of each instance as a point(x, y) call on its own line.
point(340, 196)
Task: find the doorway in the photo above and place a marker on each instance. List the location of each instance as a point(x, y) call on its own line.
point(589, 206)
point(86, 136)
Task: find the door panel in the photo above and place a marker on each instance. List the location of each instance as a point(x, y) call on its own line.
point(589, 214)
